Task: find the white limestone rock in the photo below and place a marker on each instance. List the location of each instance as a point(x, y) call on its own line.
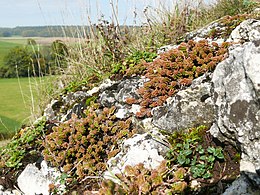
point(36, 181)
point(148, 148)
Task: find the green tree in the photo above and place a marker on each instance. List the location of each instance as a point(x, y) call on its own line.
point(17, 61)
point(20, 61)
point(6, 34)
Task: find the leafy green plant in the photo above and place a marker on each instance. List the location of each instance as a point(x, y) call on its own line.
point(187, 151)
point(22, 144)
point(132, 60)
point(85, 84)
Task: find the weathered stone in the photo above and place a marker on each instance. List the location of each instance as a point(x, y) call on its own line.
point(72, 103)
point(241, 186)
point(204, 33)
point(236, 83)
point(249, 30)
point(148, 148)
point(36, 181)
point(117, 94)
point(188, 108)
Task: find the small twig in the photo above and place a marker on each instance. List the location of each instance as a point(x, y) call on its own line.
point(18, 189)
point(90, 177)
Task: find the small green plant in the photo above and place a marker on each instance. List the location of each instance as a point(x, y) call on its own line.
point(85, 84)
point(187, 151)
point(133, 60)
point(22, 144)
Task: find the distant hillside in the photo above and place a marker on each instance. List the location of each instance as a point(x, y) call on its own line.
point(51, 31)
point(43, 31)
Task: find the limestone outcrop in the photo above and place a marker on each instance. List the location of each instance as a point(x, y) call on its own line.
point(227, 101)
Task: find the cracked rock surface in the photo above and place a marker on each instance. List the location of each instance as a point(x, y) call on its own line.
point(236, 84)
point(188, 108)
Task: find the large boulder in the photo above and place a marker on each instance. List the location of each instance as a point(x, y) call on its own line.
point(236, 84)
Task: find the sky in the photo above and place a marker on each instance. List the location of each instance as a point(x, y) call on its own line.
point(70, 12)
point(73, 12)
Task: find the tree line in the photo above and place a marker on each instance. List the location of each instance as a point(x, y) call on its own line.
point(43, 31)
point(33, 60)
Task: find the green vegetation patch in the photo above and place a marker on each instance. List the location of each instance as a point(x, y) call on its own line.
point(8, 127)
point(14, 101)
point(23, 144)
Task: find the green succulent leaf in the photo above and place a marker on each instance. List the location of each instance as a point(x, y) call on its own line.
point(211, 158)
point(187, 152)
point(181, 159)
point(211, 150)
point(204, 157)
point(207, 175)
point(218, 153)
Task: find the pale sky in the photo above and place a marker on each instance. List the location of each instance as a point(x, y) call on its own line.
point(62, 12)
point(72, 12)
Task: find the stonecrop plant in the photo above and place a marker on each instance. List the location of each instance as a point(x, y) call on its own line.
point(80, 147)
point(174, 70)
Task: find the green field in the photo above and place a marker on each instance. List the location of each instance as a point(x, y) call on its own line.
point(15, 98)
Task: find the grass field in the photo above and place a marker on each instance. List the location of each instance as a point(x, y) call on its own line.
point(15, 103)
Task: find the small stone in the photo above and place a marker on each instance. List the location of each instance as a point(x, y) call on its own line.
point(194, 184)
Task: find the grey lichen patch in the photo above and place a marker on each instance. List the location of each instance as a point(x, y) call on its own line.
point(238, 111)
point(242, 111)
